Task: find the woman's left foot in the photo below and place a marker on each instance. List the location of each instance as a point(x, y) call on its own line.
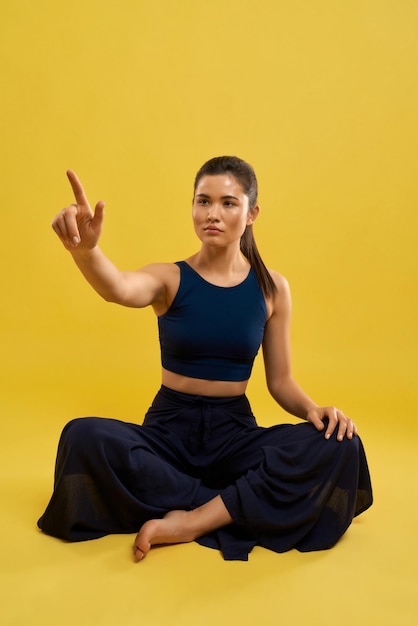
point(174, 527)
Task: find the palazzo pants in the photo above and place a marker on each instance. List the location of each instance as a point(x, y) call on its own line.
point(284, 486)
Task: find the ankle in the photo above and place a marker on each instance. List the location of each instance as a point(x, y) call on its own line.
point(197, 522)
point(209, 516)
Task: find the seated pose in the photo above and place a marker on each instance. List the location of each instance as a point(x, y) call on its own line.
point(200, 467)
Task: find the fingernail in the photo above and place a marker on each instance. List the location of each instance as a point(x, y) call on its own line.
point(327, 436)
point(138, 554)
point(75, 240)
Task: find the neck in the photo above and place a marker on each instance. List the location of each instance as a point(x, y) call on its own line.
point(227, 262)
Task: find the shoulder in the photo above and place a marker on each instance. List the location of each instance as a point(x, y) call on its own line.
point(167, 275)
point(279, 280)
point(161, 270)
point(281, 301)
point(166, 278)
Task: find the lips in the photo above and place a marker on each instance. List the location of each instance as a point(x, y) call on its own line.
point(213, 228)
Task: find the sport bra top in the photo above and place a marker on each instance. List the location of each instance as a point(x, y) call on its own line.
point(212, 332)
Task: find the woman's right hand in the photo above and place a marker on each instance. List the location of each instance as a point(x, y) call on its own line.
point(77, 226)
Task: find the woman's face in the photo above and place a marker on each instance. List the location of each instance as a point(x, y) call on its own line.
point(221, 210)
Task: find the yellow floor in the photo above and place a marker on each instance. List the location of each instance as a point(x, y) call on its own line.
point(370, 577)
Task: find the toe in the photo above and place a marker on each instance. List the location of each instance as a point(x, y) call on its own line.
point(138, 553)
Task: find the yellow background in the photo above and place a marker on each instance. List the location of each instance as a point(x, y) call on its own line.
point(322, 98)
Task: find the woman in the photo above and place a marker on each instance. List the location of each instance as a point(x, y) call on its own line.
point(200, 468)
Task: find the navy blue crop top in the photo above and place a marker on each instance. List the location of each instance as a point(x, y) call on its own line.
point(212, 332)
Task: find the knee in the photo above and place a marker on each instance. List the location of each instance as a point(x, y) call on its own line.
point(81, 431)
point(81, 424)
point(351, 444)
point(347, 449)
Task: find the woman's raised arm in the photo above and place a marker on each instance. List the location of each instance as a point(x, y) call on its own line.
point(79, 229)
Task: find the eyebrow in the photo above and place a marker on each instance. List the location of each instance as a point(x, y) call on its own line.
point(205, 195)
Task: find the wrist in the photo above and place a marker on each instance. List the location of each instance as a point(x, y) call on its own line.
point(83, 253)
point(309, 409)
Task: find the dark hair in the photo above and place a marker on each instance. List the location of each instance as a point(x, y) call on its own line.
point(245, 175)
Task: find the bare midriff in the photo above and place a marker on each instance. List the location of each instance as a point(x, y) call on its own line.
point(203, 387)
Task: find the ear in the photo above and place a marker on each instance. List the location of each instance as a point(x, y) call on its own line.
point(253, 214)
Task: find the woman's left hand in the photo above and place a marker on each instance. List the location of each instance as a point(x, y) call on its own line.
point(336, 419)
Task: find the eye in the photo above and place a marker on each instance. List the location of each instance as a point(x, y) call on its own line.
point(228, 203)
point(202, 201)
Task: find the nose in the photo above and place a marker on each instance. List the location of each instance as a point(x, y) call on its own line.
point(213, 212)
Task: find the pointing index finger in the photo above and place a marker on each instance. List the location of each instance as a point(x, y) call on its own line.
point(77, 188)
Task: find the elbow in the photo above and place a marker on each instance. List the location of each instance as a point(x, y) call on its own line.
point(277, 387)
point(109, 299)
point(273, 388)
point(111, 296)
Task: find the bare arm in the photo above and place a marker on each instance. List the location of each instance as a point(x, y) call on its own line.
point(79, 229)
point(277, 360)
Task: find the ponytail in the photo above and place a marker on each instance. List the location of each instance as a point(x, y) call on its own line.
point(250, 251)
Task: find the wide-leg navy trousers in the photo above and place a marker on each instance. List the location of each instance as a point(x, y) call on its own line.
point(285, 486)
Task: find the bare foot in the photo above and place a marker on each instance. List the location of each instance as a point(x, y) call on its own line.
point(174, 527)
point(181, 526)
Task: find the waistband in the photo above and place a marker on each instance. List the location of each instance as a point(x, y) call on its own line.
point(188, 398)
